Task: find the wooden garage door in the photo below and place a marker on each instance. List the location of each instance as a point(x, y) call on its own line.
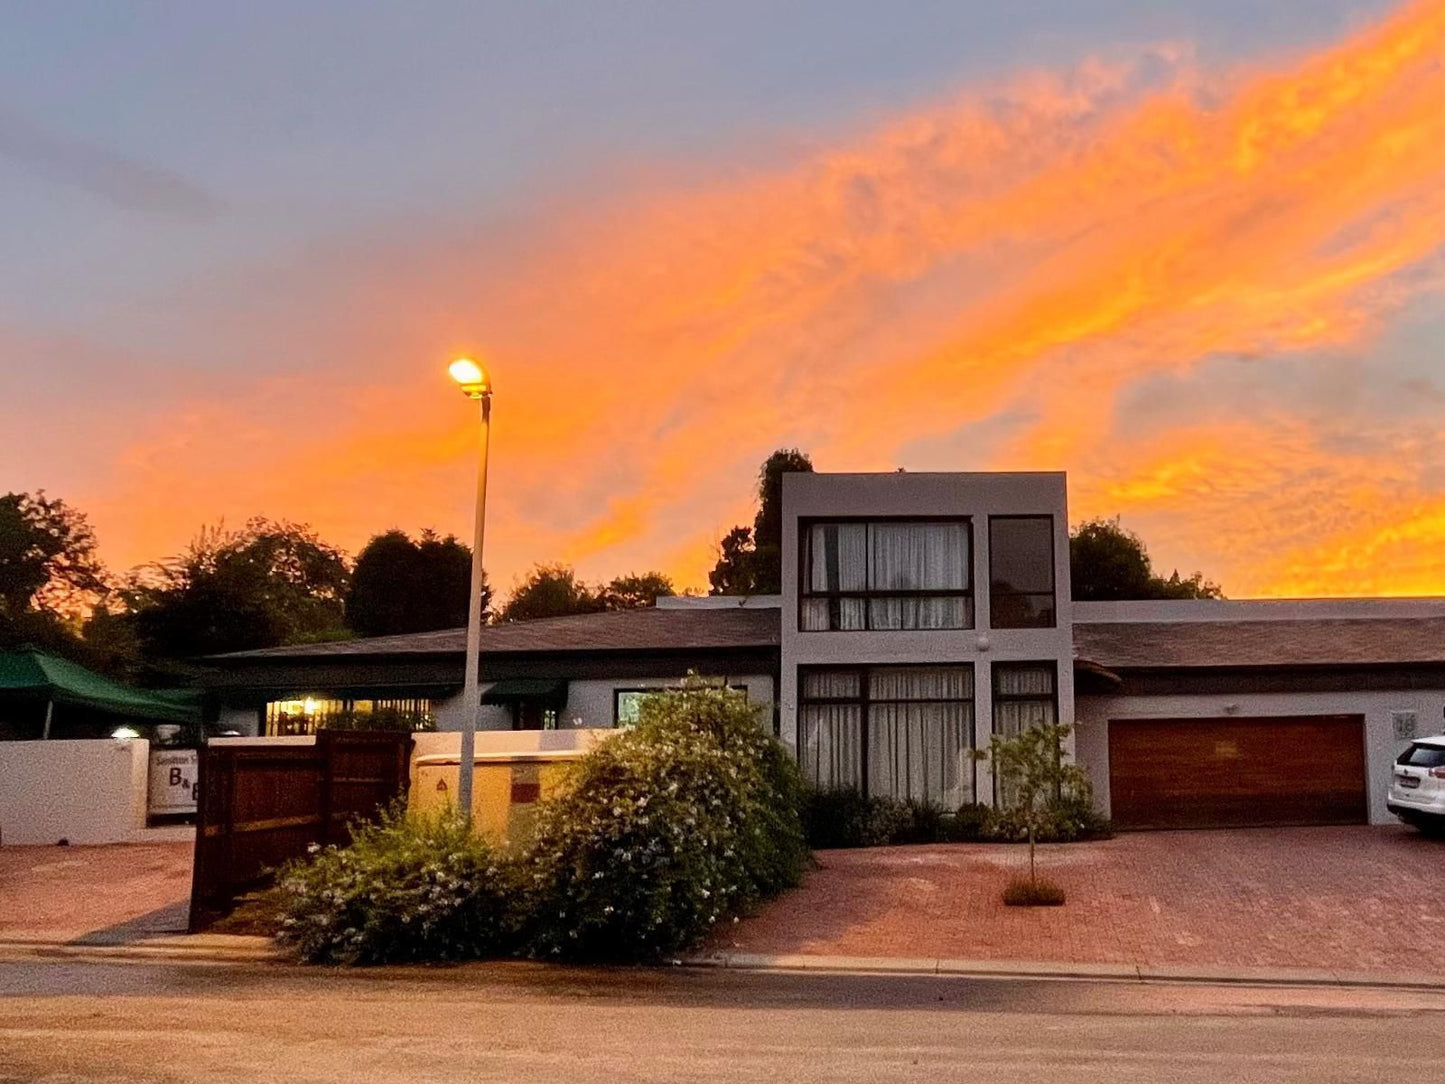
point(1212, 773)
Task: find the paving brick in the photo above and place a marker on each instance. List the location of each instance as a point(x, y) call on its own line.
point(1360, 900)
point(75, 892)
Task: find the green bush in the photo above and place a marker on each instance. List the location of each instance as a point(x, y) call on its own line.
point(972, 822)
point(1068, 819)
point(842, 817)
point(406, 889)
point(668, 829)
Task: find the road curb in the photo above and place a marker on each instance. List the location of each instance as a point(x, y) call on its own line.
point(211, 948)
point(1037, 969)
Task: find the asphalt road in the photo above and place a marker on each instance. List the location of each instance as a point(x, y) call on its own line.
point(82, 1021)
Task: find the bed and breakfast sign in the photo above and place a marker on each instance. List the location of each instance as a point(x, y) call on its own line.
point(172, 782)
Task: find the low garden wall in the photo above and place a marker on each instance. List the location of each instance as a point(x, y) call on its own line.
point(83, 791)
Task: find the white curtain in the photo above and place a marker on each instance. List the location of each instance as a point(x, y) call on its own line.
point(838, 558)
point(919, 557)
point(920, 726)
point(921, 683)
point(881, 557)
point(830, 736)
point(1012, 717)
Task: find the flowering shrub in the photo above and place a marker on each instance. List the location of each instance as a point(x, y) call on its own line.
point(407, 888)
point(685, 820)
point(843, 817)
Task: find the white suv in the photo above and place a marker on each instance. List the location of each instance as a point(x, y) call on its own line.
point(1417, 792)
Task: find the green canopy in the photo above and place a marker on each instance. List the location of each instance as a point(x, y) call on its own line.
point(31, 674)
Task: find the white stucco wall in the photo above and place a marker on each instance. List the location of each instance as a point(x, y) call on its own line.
point(1381, 748)
point(90, 791)
point(975, 496)
point(590, 701)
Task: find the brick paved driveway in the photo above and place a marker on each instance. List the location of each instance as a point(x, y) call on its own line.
point(99, 894)
point(1370, 899)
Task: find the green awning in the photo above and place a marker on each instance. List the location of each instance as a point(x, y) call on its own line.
point(30, 674)
point(510, 690)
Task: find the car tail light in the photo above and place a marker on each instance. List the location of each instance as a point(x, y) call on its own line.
point(1437, 773)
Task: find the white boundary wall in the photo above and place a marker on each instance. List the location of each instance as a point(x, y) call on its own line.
point(89, 791)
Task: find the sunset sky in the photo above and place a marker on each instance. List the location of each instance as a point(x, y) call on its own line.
point(1193, 253)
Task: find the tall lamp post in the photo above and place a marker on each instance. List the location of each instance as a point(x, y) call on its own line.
point(475, 384)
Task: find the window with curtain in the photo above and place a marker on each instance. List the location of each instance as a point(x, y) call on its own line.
point(1025, 695)
point(627, 703)
point(900, 731)
point(1021, 572)
point(886, 574)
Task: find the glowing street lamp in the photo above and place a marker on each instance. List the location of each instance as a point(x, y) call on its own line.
point(475, 384)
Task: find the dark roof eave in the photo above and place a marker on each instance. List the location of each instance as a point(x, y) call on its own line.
point(224, 662)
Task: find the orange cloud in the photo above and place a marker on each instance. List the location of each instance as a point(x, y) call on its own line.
point(1032, 250)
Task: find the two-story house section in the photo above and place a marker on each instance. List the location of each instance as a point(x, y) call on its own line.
point(921, 613)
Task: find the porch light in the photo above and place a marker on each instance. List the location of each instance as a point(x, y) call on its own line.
point(471, 378)
point(125, 733)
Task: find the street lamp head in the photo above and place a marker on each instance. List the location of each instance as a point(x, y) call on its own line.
point(471, 377)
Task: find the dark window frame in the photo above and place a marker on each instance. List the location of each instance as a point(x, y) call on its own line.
point(1053, 593)
point(1020, 698)
point(272, 724)
point(864, 701)
point(547, 708)
point(806, 593)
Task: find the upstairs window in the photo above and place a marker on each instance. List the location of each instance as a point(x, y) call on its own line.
point(886, 574)
point(1021, 572)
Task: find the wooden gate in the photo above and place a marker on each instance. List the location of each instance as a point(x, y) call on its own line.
point(260, 806)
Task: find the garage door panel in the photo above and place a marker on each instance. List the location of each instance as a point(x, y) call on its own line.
point(1199, 773)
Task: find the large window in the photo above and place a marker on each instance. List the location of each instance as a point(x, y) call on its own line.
point(886, 574)
point(901, 731)
point(1021, 572)
point(1025, 695)
point(310, 713)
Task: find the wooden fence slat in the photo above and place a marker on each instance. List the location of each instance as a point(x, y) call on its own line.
point(278, 801)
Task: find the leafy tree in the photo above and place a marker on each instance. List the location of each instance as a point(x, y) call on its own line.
point(635, 591)
point(555, 591)
point(750, 560)
point(268, 584)
point(47, 557)
point(1108, 563)
point(399, 585)
point(550, 591)
point(1034, 774)
point(736, 570)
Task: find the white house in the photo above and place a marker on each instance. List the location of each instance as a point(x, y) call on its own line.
point(921, 613)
